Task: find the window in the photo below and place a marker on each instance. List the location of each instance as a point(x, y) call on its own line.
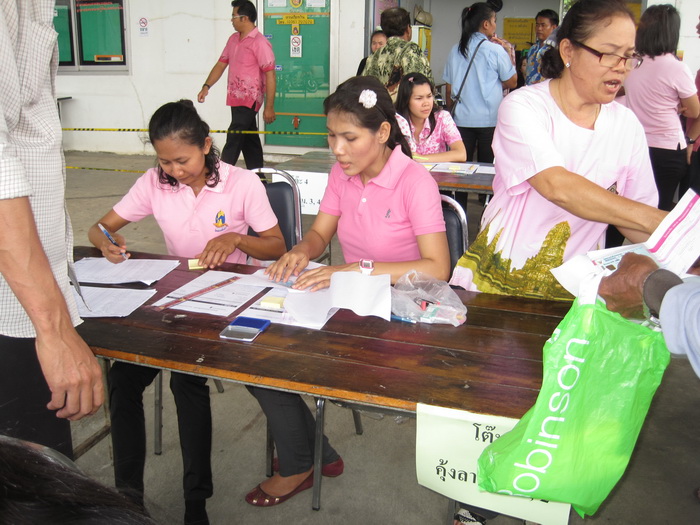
point(91, 34)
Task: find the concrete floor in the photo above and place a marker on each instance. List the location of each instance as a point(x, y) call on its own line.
point(379, 484)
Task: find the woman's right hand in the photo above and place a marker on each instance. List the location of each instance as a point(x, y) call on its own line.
point(114, 253)
point(291, 263)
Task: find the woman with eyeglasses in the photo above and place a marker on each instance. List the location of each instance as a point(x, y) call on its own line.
point(569, 161)
point(658, 91)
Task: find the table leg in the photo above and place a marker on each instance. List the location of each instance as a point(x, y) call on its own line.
point(318, 453)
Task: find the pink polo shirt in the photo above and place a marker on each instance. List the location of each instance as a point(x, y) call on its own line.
point(653, 92)
point(249, 59)
point(444, 134)
point(380, 221)
point(239, 200)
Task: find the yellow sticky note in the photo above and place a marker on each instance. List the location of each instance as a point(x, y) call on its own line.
point(193, 264)
point(272, 302)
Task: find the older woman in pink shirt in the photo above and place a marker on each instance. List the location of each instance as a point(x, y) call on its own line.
point(387, 213)
point(656, 92)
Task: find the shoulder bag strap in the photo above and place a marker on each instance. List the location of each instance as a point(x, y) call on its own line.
point(456, 100)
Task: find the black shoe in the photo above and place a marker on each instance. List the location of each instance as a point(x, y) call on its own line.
point(196, 512)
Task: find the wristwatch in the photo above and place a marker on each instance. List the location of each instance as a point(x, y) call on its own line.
point(691, 141)
point(366, 266)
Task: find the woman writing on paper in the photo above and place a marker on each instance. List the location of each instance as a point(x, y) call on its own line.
point(387, 213)
point(570, 162)
point(204, 207)
point(431, 133)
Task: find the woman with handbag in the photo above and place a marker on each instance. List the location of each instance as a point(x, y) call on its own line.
point(477, 71)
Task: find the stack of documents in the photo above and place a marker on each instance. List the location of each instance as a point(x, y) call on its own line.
point(97, 301)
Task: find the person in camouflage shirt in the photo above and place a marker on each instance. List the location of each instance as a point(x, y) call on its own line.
point(399, 56)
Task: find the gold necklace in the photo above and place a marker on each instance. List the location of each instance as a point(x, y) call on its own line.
point(564, 108)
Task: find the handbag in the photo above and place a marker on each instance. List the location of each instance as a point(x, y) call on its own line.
point(600, 374)
point(459, 92)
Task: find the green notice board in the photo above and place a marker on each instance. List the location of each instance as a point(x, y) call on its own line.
point(300, 36)
point(62, 25)
point(101, 32)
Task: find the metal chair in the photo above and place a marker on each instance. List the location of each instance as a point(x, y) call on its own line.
point(456, 229)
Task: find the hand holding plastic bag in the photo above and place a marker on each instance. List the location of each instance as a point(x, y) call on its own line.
point(421, 298)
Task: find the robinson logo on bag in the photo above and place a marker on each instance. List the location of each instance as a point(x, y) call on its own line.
point(539, 459)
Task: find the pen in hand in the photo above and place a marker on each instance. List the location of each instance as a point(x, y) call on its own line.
point(111, 239)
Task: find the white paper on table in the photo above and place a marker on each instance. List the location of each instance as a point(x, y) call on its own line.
point(98, 270)
point(487, 170)
point(459, 168)
point(110, 302)
point(222, 301)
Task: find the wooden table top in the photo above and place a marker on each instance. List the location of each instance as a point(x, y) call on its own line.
point(492, 364)
point(322, 161)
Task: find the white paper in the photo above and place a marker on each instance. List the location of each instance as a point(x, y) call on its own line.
point(458, 168)
point(99, 270)
point(312, 186)
point(110, 302)
point(487, 170)
point(222, 301)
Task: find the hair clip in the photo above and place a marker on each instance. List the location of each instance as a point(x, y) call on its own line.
point(368, 98)
point(410, 79)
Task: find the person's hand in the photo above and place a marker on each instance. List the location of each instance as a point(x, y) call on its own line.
point(218, 249)
point(320, 278)
point(622, 290)
point(202, 94)
point(505, 45)
point(291, 263)
point(115, 254)
point(269, 114)
point(72, 373)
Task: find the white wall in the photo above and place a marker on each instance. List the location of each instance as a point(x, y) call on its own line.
point(184, 41)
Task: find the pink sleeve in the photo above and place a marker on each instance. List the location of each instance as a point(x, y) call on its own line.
point(424, 204)
point(450, 131)
point(138, 202)
point(685, 84)
point(257, 212)
point(330, 203)
point(522, 143)
point(265, 55)
point(639, 176)
point(224, 54)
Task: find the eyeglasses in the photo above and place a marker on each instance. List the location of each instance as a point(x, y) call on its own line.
point(237, 16)
point(612, 60)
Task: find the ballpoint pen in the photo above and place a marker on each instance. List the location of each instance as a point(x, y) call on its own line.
point(111, 239)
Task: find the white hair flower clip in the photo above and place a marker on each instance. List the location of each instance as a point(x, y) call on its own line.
point(368, 98)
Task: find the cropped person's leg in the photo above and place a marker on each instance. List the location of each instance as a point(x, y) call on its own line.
point(670, 167)
point(469, 139)
point(293, 428)
point(234, 141)
point(484, 137)
point(195, 426)
point(24, 394)
point(252, 147)
point(126, 385)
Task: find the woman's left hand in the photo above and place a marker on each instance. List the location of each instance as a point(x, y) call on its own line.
point(320, 278)
point(218, 249)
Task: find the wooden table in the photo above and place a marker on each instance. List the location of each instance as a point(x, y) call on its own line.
point(321, 162)
point(490, 365)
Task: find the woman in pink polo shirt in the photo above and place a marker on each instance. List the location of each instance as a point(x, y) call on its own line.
point(204, 208)
point(430, 131)
point(387, 213)
point(660, 89)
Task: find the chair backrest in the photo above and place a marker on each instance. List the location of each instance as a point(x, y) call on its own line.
point(456, 229)
point(286, 203)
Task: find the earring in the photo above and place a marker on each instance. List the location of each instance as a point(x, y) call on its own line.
point(568, 64)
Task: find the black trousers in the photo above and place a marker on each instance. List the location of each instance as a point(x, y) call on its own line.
point(127, 383)
point(243, 119)
point(293, 426)
point(478, 140)
point(24, 395)
point(670, 168)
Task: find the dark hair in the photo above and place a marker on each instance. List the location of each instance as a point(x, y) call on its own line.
point(377, 32)
point(395, 21)
point(472, 18)
point(346, 99)
point(550, 15)
point(246, 8)
point(403, 97)
point(46, 487)
point(579, 24)
point(658, 31)
point(180, 119)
